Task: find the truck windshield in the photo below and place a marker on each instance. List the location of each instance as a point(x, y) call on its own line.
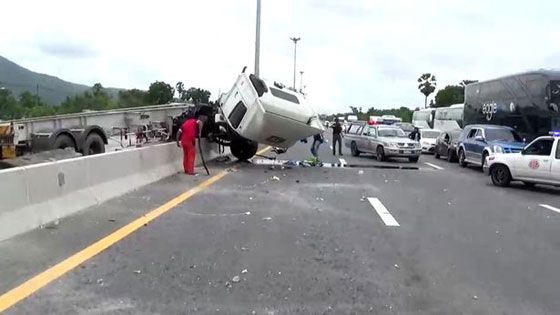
point(391, 132)
point(430, 134)
point(502, 134)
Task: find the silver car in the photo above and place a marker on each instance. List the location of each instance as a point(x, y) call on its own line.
point(382, 140)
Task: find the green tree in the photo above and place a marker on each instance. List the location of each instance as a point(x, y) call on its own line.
point(180, 87)
point(160, 93)
point(451, 94)
point(427, 86)
point(133, 98)
point(9, 106)
point(197, 95)
point(28, 100)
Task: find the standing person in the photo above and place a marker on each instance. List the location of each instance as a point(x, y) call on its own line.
point(186, 138)
point(337, 137)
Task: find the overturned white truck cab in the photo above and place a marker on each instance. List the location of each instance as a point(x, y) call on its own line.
point(265, 113)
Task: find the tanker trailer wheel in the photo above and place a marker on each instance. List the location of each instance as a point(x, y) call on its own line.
point(243, 149)
point(63, 141)
point(94, 145)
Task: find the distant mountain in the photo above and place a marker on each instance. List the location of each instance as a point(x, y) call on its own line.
point(52, 90)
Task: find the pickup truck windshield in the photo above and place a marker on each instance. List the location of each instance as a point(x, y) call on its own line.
point(429, 134)
point(391, 132)
point(502, 134)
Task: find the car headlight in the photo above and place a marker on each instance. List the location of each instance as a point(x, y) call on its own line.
point(497, 149)
point(417, 145)
point(392, 145)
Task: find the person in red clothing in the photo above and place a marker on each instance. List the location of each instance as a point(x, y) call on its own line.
point(186, 138)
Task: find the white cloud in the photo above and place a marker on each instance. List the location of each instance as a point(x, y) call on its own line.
point(353, 52)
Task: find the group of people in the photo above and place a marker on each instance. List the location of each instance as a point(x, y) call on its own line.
point(318, 139)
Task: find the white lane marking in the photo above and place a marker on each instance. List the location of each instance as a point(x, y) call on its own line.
point(342, 162)
point(434, 166)
point(550, 207)
point(383, 212)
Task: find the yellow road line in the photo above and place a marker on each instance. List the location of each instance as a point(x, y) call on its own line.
point(32, 285)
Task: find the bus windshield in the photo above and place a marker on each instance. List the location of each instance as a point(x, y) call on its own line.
point(391, 132)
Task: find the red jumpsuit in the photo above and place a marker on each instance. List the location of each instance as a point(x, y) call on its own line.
point(188, 140)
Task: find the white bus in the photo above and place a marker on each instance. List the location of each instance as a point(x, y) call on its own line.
point(423, 118)
point(449, 118)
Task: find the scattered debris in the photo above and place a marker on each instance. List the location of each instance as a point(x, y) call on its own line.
point(386, 181)
point(294, 219)
point(319, 199)
point(138, 271)
point(274, 178)
point(112, 220)
point(250, 198)
point(236, 279)
point(248, 213)
point(360, 172)
point(397, 266)
point(244, 249)
point(244, 271)
point(228, 285)
point(271, 167)
point(279, 273)
point(231, 169)
point(100, 281)
point(192, 266)
point(267, 219)
point(284, 175)
point(319, 210)
point(449, 203)
point(297, 181)
point(363, 199)
point(224, 158)
point(497, 232)
point(475, 297)
point(445, 190)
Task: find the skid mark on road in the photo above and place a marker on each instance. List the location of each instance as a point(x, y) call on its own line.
point(434, 166)
point(385, 215)
point(549, 207)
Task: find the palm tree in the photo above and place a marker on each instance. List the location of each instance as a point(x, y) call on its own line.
point(427, 86)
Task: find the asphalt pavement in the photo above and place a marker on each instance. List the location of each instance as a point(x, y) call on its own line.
point(359, 239)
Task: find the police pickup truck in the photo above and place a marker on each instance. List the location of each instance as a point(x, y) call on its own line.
point(537, 163)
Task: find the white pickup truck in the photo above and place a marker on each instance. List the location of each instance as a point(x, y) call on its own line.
point(537, 163)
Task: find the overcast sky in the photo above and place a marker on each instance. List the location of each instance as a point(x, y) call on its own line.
point(353, 52)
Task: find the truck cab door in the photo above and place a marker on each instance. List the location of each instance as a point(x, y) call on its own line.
point(555, 163)
point(468, 143)
point(363, 142)
point(372, 139)
point(478, 144)
point(536, 160)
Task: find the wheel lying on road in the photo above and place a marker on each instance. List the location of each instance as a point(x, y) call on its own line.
point(413, 159)
point(243, 149)
point(462, 157)
point(380, 154)
point(354, 149)
point(94, 145)
point(500, 175)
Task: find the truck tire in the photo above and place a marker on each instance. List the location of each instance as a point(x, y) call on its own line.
point(93, 145)
point(63, 141)
point(243, 149)
point(500, 175)
point(462, 162)
point(354, 149)
point(380, 154)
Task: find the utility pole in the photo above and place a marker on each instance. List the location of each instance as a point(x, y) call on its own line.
point(295, 40)
point(258, 40)
point(301, 82)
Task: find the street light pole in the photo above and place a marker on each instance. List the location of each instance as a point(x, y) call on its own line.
point(295, 40)
point(258, 40)
point(301, 82)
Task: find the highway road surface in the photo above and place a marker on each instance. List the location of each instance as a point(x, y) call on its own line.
point(430, 238)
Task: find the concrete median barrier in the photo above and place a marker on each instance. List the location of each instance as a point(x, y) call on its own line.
point(34, 195)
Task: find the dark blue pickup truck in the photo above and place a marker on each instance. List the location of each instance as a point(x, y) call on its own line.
point(479, 141)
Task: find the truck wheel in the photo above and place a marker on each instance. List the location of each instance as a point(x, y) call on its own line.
point(380, 154)
point(243, 149)
point(93, 145)
point(500, 175)
point(483, 161)
point(354, 149)
point(63, 141)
